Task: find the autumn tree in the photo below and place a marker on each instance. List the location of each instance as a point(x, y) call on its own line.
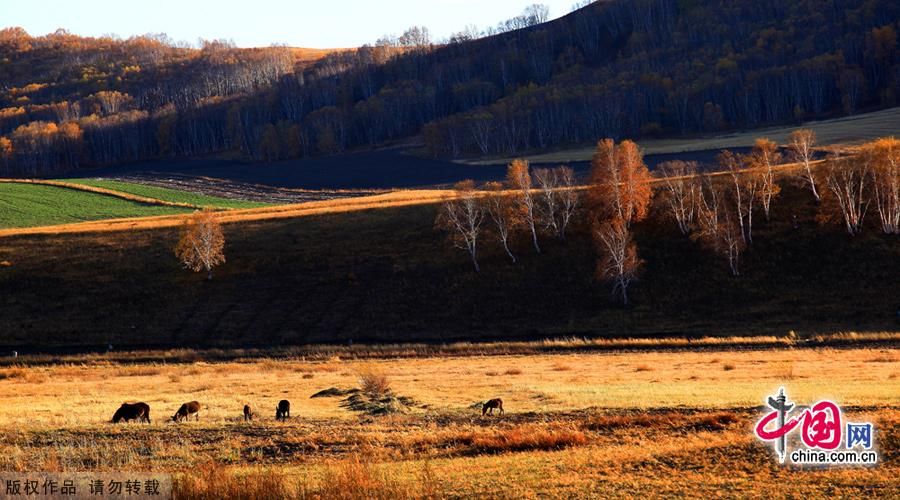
point(681, 191)
point(569, 199)
point(619, 195)
point(6, 151)
point(885, 167)
point(502, 211)
point(717, 220)
point(111, 102)
point(800, 148)
point(619, 261)
point(201, 246)
point(462, 218)
point(619, 182)
point(559, 198)
point(519, 179)
point(745, 185)
point(849, 181)
point(547, 183)
point(763, 158)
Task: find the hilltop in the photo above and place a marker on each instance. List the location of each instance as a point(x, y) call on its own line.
point(640, 69)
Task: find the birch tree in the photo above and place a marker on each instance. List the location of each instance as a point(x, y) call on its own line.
point(462, 218)
point(202, 243)
point(502, 211)
point(559, 199)
point(682, 189)
point(569, 199)
point(619, 182)
point(800, 149)
point(547, 182)
point(718, 224)
point(745, 188)
point(618, 195)
point(519, 179)
point(885, 156)
point(619, 262)
point(763, 159)
point(848, 180)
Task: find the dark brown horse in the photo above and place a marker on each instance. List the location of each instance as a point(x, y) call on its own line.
point(283, 410)
point(490, 405)
point(248, 413)
point(186, 410)
point(132, 411)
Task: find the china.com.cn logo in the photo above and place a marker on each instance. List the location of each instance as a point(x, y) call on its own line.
point(822, 431)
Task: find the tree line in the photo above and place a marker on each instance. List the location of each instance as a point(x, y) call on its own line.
point(611, 69)
point(717, 210)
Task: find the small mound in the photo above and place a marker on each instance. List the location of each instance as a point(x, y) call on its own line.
point(334, 392)
point(376, 405)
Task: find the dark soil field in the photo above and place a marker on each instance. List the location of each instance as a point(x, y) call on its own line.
point(386, 276)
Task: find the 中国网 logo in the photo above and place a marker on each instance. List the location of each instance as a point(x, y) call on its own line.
point(828, 439)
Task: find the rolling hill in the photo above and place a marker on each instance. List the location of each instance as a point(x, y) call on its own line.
point(614, 68)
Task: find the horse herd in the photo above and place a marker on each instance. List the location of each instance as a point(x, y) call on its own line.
point(140, 412)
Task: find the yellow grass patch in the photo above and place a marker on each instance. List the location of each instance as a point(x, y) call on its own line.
point(597, 428)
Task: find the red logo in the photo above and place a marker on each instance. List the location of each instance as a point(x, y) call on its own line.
point(821, 426)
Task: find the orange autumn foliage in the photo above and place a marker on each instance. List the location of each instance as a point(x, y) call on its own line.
point(620, 182)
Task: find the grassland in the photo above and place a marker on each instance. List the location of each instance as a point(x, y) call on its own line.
point(577, 425)
point(170, 195)
point(848, 130)
point(270, 212)
point(27, 205)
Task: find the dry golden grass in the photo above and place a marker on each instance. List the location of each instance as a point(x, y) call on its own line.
point(600, 426)
point(329, 357)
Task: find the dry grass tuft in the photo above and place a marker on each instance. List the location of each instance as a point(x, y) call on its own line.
point(525, 437)
point(359, 479)
point(212, 481)
point(886, 357)
point(667, 420)
point(138, 371)
point(374, 383)
point(13, 373)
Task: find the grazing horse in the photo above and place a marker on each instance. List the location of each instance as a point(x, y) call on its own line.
point(248, 413)
point(490, 405)
point(186, 410)
point(132, 411)
point(283, 410)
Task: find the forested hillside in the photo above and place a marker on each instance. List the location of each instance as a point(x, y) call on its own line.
point(611, 69)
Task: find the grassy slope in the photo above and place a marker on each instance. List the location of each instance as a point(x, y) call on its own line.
point(25, 205)
point(853, 129)
point(385, 275)
point(166, 194)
